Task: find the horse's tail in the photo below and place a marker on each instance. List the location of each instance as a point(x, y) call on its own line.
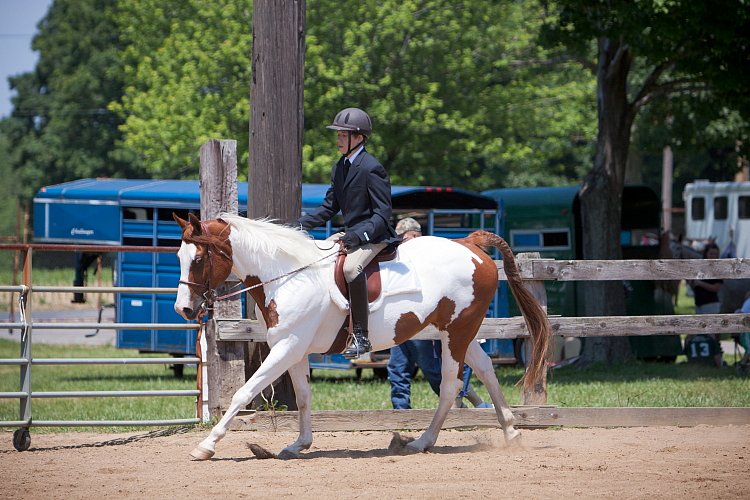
point(533, 313)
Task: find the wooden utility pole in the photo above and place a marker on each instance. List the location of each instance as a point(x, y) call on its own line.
point(225, 360)
point(276, 125)
point(666, 189)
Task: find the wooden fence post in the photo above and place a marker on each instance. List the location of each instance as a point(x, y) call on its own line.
point(225, 360)
point(538, 394)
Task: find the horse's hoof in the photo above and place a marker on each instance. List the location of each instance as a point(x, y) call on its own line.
point(201, 453)
point(513, 438)
point(416, 447)
point(286, 454)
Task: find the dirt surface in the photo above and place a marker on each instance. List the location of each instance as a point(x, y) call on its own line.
point(657, 462)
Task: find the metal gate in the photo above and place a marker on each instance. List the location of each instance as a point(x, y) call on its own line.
point(26, 360)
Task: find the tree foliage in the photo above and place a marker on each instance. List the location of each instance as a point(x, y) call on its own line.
point(646, 51)
point(458, 92)
point(187, 68)
point(60, 128)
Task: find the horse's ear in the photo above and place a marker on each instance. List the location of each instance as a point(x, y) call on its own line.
point(196, 223)
point(182, 222)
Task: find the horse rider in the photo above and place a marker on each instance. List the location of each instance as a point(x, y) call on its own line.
point(361, 189)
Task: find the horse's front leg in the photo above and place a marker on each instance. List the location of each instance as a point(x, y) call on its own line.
point(282, 355)
point(300, 375)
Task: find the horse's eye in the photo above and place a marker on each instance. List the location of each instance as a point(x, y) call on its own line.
point(198, 259)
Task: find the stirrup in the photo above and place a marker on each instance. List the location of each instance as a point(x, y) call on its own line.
point(358, 346)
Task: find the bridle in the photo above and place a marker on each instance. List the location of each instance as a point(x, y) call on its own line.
point(209, 294)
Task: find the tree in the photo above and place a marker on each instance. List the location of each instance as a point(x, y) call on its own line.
point(187, 68)
point(645, 50)
point(60, 128)
point(459, 93)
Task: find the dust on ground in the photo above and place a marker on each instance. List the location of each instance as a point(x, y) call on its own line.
point(642, 462)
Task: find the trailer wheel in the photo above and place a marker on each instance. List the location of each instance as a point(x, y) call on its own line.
point(21, 439)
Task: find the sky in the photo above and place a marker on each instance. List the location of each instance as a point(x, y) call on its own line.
point(18, 20)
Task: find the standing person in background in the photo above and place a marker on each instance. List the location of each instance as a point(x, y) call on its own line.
point(407, 357)
point(743, 366)
point(361, 190)
point(706, 293)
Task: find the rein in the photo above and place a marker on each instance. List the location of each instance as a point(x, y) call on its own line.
point(257, 285)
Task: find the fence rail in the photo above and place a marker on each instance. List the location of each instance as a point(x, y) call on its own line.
point(534, 271)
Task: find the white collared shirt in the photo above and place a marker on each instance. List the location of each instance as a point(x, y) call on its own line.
point(356, 153)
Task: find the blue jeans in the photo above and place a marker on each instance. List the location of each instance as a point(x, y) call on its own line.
point(405, 359)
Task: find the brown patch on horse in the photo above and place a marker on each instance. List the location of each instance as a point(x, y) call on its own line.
point(273, 315)
point(409, 324)
point(259, 296)
point(463, 329)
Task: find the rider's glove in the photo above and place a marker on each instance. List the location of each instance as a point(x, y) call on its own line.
point(350, 240)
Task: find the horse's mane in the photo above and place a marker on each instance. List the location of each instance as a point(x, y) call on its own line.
point(271, 238)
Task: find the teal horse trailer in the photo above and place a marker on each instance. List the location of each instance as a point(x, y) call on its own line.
point(131, 212)
point(548, 220)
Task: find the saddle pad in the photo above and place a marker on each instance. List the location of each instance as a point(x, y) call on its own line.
point(396, 276)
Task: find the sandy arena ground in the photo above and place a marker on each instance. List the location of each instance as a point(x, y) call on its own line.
point(657, 462)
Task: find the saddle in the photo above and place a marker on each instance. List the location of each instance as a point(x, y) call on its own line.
point(374, 288)
point(372, 272)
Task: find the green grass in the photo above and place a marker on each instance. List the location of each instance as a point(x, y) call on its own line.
point(632, 384)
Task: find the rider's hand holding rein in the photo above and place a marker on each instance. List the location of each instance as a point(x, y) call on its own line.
point(350, 240)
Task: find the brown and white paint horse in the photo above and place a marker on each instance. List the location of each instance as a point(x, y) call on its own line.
point(304, 310)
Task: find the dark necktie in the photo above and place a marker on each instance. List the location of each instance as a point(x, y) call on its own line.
point(347, 164)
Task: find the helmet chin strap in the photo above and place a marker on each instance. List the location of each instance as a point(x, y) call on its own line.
point(352, 148)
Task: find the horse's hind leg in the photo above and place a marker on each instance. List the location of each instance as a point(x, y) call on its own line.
point(300, 375)
point(276, 363)
point(481, 363)
point(450, 384)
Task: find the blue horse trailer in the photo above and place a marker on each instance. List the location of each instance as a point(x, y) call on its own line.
point(139, 212)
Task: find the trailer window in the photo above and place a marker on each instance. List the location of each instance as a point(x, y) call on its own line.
point(137, 213)
point(698, 208)
point(165, 214)
point(556, 239)
point(743, 207)
point(551, 239)
point(720, 208)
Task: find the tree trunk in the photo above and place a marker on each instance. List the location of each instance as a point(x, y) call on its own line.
point(276, 125)
point(601, 196)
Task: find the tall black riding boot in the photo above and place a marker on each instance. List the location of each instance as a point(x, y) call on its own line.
point(359, 309)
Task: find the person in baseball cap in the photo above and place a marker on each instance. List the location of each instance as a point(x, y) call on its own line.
point(408, 228)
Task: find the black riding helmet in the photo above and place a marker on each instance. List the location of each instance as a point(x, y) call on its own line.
point(352, 120)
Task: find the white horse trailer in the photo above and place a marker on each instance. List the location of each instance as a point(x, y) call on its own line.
point(719, 211)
